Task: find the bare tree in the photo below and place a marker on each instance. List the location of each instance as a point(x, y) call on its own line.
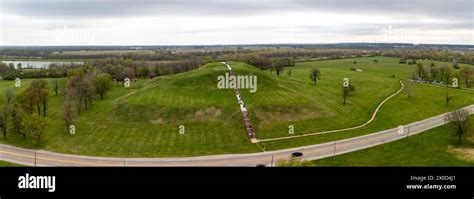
point(9, 94)
point(55, 86)
point(460, 121)
point(346, 90)
point(447, 96)
point(41, 93)
point(409, 89)
point(315, 75)
point(467, 74)
point(279, 66)
point(68, 111)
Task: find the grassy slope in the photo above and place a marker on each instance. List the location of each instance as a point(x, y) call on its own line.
point(143, 120)
point(8, 164)
point(430, 148)
point(283, 101)
point(428, 102)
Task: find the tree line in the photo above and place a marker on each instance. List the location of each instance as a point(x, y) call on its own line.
point(26, 113)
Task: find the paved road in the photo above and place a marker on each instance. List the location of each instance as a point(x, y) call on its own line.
point(45, 158)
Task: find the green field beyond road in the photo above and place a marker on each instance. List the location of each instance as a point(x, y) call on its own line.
point(436, 147)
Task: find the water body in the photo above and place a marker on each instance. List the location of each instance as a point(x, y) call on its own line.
point(39, 64)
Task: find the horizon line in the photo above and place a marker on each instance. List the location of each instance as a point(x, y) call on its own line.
point(234, 44)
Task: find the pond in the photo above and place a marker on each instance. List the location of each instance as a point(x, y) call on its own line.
point(39, 64)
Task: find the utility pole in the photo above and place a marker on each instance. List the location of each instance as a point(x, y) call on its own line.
point(272, 162)
point(334, 148)
point(35, 159)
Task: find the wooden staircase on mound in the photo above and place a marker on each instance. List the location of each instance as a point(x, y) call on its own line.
point(245, 114)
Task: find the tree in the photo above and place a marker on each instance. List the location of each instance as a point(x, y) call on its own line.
point(279, 68)
point(128, 62)
point(259, 61)
point(43, 96)
point(82, 90)
point(5, 111)
point(289, 72)
point(87, 90)
point(73, 90)
point(460, 122)
point(62, 84)
point(445, 73)
point(144, 72)
point(17, 115)
point(456, 65)
point(35, 125)
point(279, 65)
point(4, 120)
point(165, 70)
point(447, 96)
point(434, 72)
point(467, 74)
point(129, 73)
point(409, 89)
point(346, 90)
point(152, 75)
point(55, 85)
point(4, 68)
point(102, 84)
point(118, 74)
point(420, 70)
point(41, 93)
point(315, 75)
point(28, 100)
point(9, 94)
point(68, 117)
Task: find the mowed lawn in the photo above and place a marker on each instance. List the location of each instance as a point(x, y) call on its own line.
point(429, 100)
point(9, 164)
point(436, 147)
point(284, 100)
point(144, 120)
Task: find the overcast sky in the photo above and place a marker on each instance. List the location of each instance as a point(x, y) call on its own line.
point(186, 22)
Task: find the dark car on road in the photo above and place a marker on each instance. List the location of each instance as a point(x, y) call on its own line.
point(296, 154)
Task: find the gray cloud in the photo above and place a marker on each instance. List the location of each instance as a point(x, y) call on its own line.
point(448, 9)
point(124, 8)
point(407, 14)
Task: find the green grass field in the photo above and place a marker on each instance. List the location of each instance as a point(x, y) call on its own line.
point(428, 101)
point(431, 148)
point(8, 164)
point(144, 120)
